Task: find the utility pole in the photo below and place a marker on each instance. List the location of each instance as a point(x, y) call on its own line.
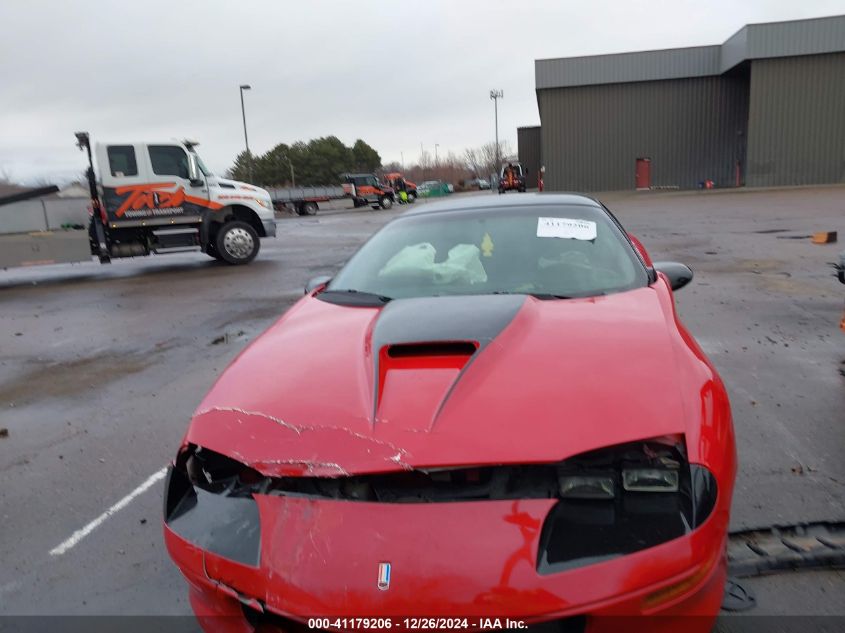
point(436, 160)
point(495, 95)
point(246, 138)
point(402, 160)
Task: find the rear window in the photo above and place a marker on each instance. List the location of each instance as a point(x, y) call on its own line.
point(122, 160)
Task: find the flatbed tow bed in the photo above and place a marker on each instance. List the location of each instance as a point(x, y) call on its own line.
point(363, 189)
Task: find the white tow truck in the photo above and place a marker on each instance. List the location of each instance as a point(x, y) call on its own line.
point(149, 198)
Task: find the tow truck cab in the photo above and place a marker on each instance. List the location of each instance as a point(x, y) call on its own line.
point(365, 189)
point(161, 198)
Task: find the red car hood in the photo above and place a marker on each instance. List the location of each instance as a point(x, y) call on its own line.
point(317, 394)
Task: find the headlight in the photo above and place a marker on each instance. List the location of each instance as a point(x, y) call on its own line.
point(586, 487)
point(650, 480)
point(623, 499)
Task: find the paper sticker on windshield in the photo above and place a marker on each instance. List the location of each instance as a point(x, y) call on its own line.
point(566, 228)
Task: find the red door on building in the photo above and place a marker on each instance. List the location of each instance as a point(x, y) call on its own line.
point(643, 174)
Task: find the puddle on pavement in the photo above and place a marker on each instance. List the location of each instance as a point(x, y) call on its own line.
point(58, 379)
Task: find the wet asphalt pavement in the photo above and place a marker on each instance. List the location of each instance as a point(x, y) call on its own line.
point(101, 367)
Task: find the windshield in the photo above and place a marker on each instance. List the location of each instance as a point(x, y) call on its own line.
point(550, 251)
point(205, 170)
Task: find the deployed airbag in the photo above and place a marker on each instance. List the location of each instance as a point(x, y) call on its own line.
point(462, 265)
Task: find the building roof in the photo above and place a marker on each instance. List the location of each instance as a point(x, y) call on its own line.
point(753, 41)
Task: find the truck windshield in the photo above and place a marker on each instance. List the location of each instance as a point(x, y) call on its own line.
point(549, 251)
point(205, 170)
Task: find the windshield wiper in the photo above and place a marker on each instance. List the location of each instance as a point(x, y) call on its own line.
point(549, 295)
point(538, 295)
point(589, 295)
point(359, 294)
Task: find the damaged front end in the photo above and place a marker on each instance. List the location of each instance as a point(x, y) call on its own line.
point(209, 502)
point(606, 503)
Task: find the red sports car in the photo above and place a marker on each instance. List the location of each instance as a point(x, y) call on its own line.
point(493, 411)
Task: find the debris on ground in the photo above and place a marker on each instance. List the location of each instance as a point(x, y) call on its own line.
point(776, 548)
point(4, 432)
point(226, 338)
point(824, 237)
point(737, 598)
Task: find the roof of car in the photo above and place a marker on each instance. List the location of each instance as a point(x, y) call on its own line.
point(479, 202)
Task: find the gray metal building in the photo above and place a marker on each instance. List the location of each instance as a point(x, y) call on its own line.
point(766, 107)
point(528, 147)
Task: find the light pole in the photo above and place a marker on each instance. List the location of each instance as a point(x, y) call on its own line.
point(292, 177)
point(495, 95)
point(246, 138)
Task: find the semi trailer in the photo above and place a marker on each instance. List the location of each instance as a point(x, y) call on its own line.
point(145, 198)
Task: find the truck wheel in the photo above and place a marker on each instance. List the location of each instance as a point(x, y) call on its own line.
point(385, 202)
point(237, 242)
point(307, 208)
point(412, 196)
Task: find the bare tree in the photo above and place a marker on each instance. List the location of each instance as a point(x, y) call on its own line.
point(482, 160)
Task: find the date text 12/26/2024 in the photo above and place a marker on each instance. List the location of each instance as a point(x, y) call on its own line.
point(416, 624)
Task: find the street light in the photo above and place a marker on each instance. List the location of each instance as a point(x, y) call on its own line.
point(292, 177)
point(495, 95)
point(246, 138)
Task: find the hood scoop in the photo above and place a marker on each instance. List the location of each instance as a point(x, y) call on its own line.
point(415, 379)
point(422, 347)
point(439, 348)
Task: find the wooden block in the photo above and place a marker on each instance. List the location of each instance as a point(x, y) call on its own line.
point(824, 237)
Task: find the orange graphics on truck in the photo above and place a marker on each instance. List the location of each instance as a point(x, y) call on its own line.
point(153, 200)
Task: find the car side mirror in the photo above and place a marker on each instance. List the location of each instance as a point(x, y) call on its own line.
point(679, 275)
point(193, 170)
point(316, 282)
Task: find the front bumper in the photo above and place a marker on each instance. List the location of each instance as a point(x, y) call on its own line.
point(219, 609)
point(269, 227)
point(320, 558)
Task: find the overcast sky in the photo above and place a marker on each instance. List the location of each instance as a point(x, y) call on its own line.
point(397, 74)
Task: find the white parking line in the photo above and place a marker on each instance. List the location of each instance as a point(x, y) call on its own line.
point(81, 533)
